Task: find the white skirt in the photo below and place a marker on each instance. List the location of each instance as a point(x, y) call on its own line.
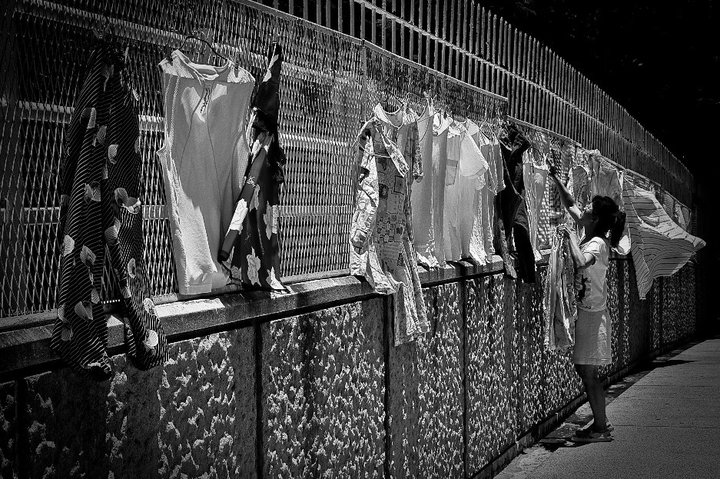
point(593, 338)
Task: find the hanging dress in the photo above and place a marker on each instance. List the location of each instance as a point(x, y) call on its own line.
point(380, 235)
point(251, 250)
point(101, 211)
point(204, 158)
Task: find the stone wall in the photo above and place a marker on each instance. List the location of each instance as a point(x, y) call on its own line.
point(324, 394)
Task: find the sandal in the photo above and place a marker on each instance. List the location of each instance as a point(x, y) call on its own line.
point(589, 435)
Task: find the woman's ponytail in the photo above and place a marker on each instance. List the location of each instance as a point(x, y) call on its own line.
point(617, 228)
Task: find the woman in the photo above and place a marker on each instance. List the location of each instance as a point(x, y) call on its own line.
point(603, 223)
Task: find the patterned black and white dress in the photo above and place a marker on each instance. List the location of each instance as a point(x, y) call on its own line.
point(101, 211)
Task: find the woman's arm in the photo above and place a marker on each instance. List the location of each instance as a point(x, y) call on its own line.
point(582, 260)
point(565, 197)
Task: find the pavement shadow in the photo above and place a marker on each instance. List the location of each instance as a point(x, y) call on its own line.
point(560, 437)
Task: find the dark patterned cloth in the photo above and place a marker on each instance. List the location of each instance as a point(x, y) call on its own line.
point(101, 211)
point(512, 204)
point(251, 250)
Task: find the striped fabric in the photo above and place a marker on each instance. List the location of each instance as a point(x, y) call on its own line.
point(101, 212)
point(659, 246)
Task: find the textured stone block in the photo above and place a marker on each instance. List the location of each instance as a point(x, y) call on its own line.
point(195, 416)
point(65, 434)
point(490, 416)
point(8, 429)
point(426, 398)
point(323, 392)
point(207, 418)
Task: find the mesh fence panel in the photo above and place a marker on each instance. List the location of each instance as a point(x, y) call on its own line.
point(46, 44)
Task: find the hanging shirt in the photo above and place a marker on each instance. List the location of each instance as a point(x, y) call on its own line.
point(659, 246)
point(423, 197)
point(204, 160)
point(441, 125)
point(380, 233)
point(465, 176)
point(590, 282)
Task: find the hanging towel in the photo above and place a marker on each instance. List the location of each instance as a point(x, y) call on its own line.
point(251, 250)
point(659, 246)
point(559, 295)
point(101, 212)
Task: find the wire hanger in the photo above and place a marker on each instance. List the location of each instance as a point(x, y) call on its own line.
point(194, 36)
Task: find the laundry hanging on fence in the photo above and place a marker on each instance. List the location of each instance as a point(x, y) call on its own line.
point(679, 213)
point(511, 204)
point(101, 211)
point(481, 241)
point(441, 126)
point(388, 160)
point(659, 246)
point(559, 295)
point(607, 180)
point(464, 178)
point(423, 197)
point(250, 249)
point(204, 159)
point(535, 180)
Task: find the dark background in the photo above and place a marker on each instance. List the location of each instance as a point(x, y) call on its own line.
point(661, 61)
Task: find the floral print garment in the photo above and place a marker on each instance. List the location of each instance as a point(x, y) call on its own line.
point(251, 250)
point(381, 231)
point(101, 211)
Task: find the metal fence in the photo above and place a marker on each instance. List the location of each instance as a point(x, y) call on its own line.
point(330, 81)
point(464, 40)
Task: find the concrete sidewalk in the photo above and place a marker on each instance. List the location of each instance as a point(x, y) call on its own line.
point(667, 425)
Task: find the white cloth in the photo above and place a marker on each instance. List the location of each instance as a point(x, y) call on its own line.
point(659, 246)
point(441, 125)
point(481, 241)
point(591, 282)
point(422, 197)
point(465, 176)
point(204, 158)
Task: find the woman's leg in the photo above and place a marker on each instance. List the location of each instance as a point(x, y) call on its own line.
point(595, 393)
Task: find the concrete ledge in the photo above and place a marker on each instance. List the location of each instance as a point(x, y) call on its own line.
point(25, 349)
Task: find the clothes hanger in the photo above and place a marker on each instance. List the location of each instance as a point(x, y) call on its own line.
point(194, 36)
